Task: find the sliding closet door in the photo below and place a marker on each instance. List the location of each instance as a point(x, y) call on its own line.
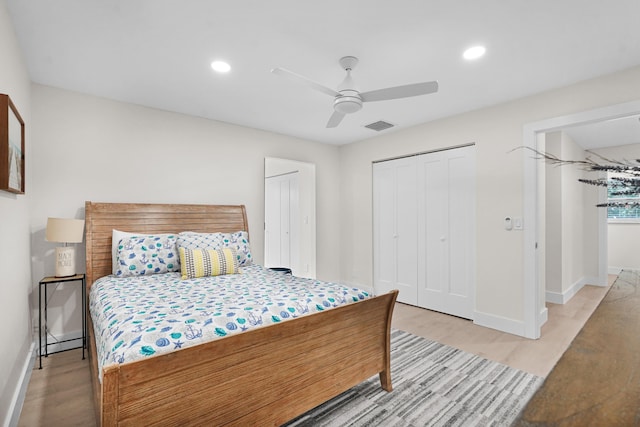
point(446, 231)
point(394, 223)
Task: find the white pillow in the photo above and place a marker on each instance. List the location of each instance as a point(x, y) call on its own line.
point(238, 241)
point(116, 236)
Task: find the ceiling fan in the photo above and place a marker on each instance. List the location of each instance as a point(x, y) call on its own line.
point(348, 99)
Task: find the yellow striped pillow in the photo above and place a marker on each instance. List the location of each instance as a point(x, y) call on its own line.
point(207, 262)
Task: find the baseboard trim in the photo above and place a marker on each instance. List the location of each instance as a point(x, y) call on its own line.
point(564, 297)
point(554, 297)
point(615, 270)
point(543, 317)
point(15, 409)
point(503, 324)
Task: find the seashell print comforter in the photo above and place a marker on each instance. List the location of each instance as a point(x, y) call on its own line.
point(143, 316)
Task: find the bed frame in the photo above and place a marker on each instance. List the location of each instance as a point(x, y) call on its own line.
point(265, 376)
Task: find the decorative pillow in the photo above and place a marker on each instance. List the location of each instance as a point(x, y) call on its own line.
point(147, 254)
point(207, 262)
point(116, 236)
point(238, 241)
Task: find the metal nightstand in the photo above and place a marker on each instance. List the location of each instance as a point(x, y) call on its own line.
point(43, 284)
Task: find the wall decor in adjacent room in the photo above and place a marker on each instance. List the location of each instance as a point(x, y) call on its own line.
point(11, 147)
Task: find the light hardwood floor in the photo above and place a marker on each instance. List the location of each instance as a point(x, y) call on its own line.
point(534, 356)
point(60, 393)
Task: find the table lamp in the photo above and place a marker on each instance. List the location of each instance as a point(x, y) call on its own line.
point(65, 230)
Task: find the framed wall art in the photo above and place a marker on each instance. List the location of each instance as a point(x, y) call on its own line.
point(11, 147)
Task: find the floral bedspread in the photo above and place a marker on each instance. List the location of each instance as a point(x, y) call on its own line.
point(143, 316)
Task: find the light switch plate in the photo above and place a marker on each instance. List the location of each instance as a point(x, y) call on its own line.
point(517, 223)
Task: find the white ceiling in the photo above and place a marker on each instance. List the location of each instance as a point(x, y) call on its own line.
point(609, 133)
point(157, 53)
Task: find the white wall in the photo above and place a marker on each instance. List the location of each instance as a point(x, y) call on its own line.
point(553, 202)
point(623, 248)
point(16, 283)
point(571, 222)
point(573, 219)
point(496, 131)
point(89, 148)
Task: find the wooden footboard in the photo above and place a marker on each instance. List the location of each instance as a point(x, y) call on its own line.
point(266, 376)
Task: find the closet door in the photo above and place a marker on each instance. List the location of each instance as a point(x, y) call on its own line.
point(281, 223)
point(446, 231)
point(394, 228)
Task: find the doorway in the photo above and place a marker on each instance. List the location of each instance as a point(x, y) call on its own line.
point(534, 281)
point(290, 216)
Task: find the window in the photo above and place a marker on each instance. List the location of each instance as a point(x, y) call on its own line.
point(623, 199)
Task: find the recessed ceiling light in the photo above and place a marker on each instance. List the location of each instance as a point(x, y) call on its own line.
point(474, 52)
point(220, 66)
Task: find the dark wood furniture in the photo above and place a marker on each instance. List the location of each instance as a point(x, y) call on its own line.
point(596, 382)
point(265, 376)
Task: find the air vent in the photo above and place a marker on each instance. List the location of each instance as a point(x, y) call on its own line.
point(379, 125)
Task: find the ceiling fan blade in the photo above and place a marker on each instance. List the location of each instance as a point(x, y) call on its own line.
point(396, 92)
point(335, 119)
point(301, 79)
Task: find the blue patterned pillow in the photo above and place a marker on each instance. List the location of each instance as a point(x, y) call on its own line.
point(147, 254)
point(238, 241)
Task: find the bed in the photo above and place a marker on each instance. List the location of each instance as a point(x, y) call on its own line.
point(264, 376)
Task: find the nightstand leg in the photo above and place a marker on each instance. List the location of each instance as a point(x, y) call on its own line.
point(46, 345)
point(84, 317)
point(40, 323)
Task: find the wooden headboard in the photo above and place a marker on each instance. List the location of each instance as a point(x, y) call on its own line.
point(102, 218)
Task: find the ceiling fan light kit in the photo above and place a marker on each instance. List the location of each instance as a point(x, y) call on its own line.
point(348, 99)
point(348, 102)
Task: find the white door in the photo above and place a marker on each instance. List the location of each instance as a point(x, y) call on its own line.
point(446, 231)
point(281, 221)
point(394, 223)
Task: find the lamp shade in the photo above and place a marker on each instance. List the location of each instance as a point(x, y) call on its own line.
point(64, 230)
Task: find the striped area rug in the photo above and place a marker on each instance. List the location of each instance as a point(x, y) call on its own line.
point(433, 385)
